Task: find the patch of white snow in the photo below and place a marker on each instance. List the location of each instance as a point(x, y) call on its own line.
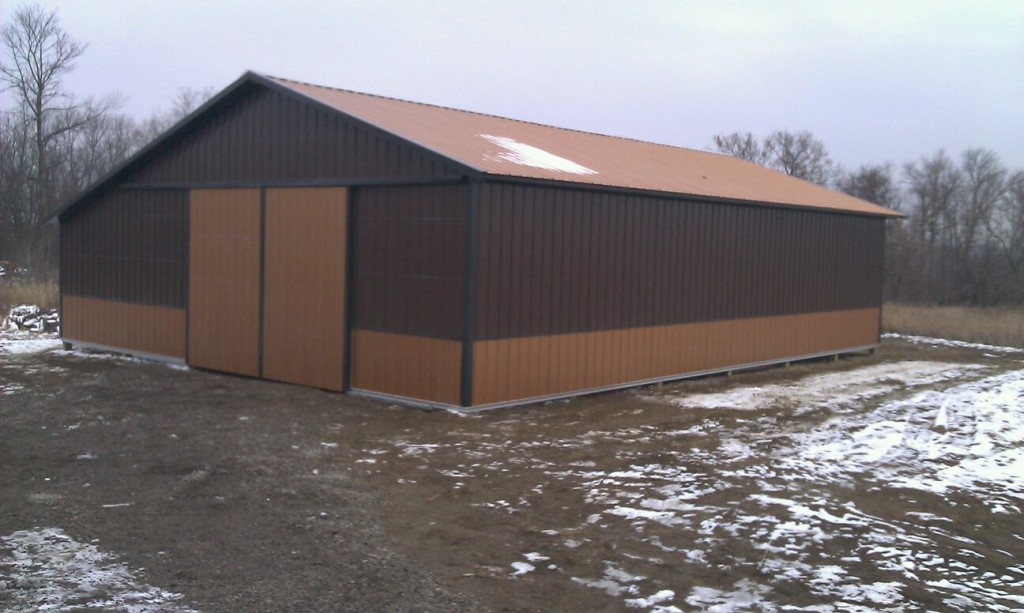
point(49, 570)
point(28, 344)
point(830, 389)
point(945, 342)
point(650, 601)
point(528, 155)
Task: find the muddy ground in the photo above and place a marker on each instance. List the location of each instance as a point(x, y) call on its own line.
point(238, 494)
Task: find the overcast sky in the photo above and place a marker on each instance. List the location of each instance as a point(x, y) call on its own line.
point(876, 81)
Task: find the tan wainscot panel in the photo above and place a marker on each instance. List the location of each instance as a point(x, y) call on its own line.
point(224, 280)
point(304, 286)
point(411, 366)
point(159, 331)
point(512, 369)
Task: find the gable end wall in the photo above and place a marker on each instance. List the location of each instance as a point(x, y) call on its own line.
point(263, 136)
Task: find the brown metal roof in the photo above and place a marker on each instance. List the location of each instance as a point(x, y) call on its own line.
point(513, 148)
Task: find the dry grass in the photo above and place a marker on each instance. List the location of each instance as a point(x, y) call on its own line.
point(44, 294)
point(994, 326)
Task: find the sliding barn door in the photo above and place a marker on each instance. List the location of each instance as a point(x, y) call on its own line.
point(224, 280)
point(304, 286)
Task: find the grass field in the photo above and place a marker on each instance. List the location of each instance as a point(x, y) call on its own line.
point(994, 325)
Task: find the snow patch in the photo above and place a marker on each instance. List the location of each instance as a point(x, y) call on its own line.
point(665, 518)
point(979, 444)
point(417, 450)
point(945, 342)
point(745, 595)
point(831, 389)
point(18, 344)
point(49, 570)
point(650, 601)
point(528, 155)
point(615, 581)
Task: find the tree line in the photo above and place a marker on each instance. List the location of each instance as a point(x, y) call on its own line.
point(962, 241)
point(52, 143)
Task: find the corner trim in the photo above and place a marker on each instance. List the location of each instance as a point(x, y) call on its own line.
point(469, 297)
point(263, 276)
point(350, 270)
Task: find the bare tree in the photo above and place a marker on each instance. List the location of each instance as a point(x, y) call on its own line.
point(934, 185)
point(744, 146)
point(38, 55)
point(1007, 231)
point(984, 182)
point(184, 102)
point(798, 154)
point(14, 184)
point(52, 145)
point(875, 183)
point(97, 147)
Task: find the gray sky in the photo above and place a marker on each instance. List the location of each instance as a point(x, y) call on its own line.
point(876, 81)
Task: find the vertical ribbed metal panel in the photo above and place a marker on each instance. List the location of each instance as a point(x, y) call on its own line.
point(409, 259)
point(224, 280)
point(265, 136)
point(129, 246)
point(555, 261)
point(142, 328)
point(530, 367)
point(304, 285)
point(409, 366)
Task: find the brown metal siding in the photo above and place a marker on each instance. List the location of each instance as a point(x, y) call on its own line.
point(409, 259)
point(409, 366)
point(519, 368)
point(130, 246)
point(304, 286)
point(132, 327)
point(265, 136)
point(556, 261)
point(224, 280)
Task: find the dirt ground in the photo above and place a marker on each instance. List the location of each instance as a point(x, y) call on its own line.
point(239, 494)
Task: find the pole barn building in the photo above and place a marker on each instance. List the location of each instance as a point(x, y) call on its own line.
point(441, 257)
